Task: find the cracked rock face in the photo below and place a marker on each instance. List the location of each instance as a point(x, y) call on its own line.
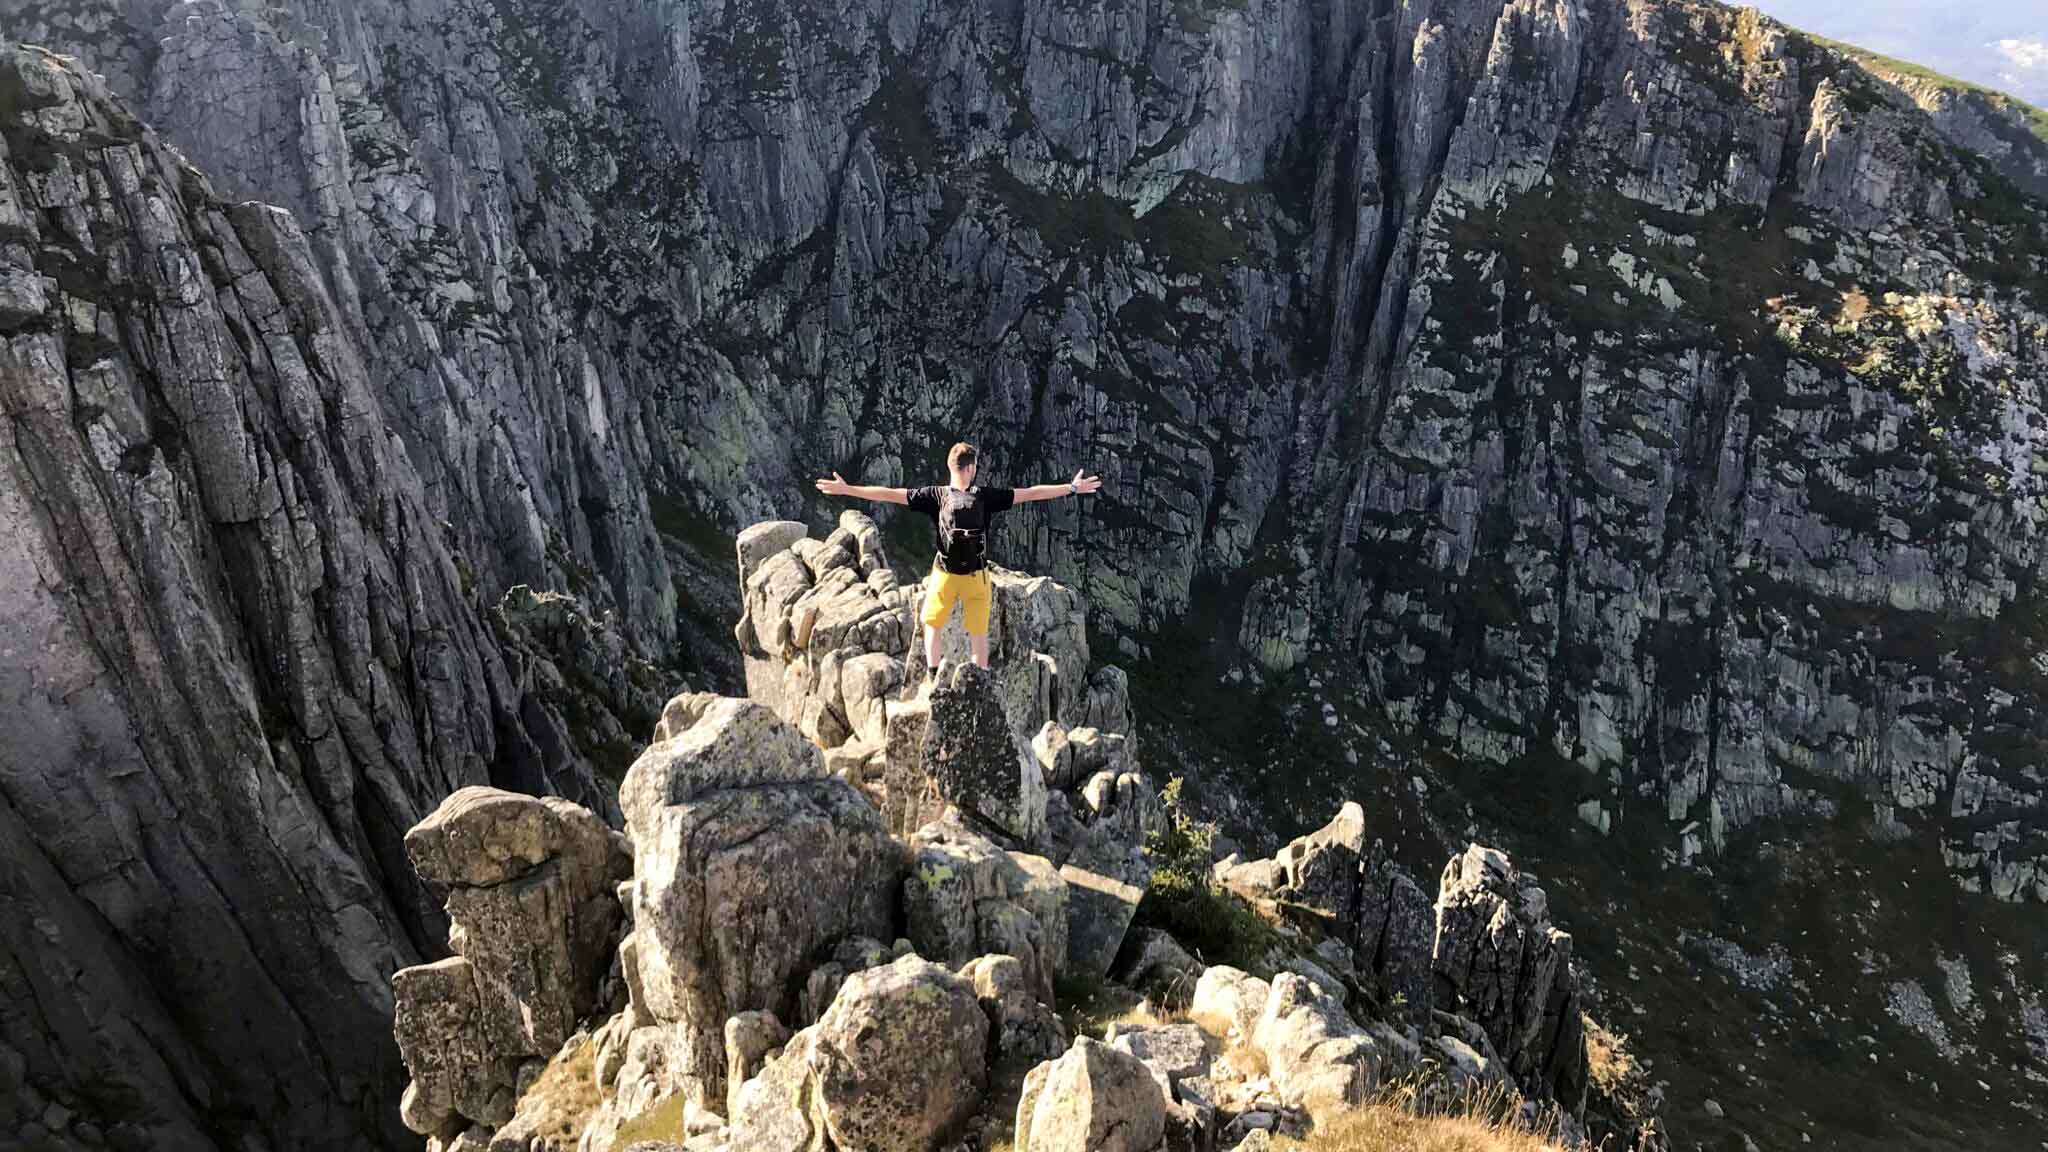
point(532, 899)
point(748, 860)
point(242, 659)
point(1500, 962)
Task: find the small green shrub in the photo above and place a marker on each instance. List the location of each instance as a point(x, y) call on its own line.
point(1217, 925)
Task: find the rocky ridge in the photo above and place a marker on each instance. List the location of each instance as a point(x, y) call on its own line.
point(1635, 398)
point(242, 659)
point(752, 1003)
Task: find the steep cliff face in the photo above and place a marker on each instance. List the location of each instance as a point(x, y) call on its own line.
point(240, 661)
point(1629, 397)
point(1635, 383)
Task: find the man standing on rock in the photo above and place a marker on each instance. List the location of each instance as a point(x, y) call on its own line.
point(962, 513)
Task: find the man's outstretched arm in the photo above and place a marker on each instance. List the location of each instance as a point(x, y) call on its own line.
point(1081, 485)
point(836, 486)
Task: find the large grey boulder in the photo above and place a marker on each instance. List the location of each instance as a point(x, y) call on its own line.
point(965, 897)
point(1322, 869)
point(1320, 1059)
point(975, 761)
point(1176, 1051)
point(900, 1059)
point(750, 861)
point(757, 542)
point(531, 894)
point(1228, 1003)
point(1095, 1098)
point(1106, 879)
point(1500, 962)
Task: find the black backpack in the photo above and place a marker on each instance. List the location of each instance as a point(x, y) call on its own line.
point(963, 549)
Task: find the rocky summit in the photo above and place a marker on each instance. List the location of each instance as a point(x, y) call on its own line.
point(1608, 432)
point(787, 975)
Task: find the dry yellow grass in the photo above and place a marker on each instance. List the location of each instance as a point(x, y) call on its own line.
point(1855, 307)
point(662, 1122)
point(1388, 1128)
point(567, 1091)
point(1608, 1060)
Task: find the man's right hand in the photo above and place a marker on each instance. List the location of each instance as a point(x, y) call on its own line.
point(836, 486)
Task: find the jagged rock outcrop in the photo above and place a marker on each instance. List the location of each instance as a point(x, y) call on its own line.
point(1395, 940)
point(831, 636)
point(1501, 962)
point(961, 744)
point(244, 659)
point(1371, 905)
point(1482, 966)
point(748, 860)
point(533, 906)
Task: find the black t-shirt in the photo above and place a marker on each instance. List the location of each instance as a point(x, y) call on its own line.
point(963, 519)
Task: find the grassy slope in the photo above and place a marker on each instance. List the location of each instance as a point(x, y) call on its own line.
point(2036, 118)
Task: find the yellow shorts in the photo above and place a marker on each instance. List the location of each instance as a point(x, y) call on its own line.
point(974, 592)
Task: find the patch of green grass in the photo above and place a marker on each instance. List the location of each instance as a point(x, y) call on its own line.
point(1189, 232)
point(1217, 925)
point(662, 1122)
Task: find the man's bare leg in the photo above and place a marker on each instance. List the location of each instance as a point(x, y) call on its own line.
point(931, 649)
point(980, 646)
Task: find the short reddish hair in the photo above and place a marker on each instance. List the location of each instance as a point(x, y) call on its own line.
point(962, 455)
